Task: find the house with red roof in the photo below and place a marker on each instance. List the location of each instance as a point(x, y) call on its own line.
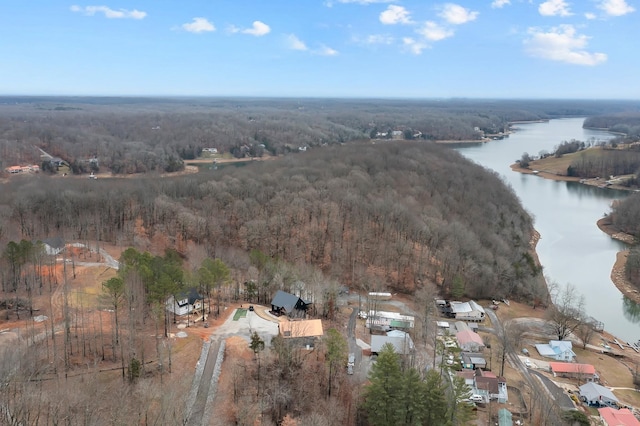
point(612, 417)
point(572, 370)
point(469, 341)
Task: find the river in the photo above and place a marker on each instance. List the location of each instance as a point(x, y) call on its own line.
point(572, 249)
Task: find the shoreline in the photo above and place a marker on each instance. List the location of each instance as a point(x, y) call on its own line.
point(604, 224)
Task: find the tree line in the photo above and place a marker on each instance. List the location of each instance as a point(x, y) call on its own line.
point(129, 135)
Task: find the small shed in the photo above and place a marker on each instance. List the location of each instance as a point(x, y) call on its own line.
point(505, 417)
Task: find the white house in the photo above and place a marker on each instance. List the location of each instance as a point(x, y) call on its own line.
point(185, 302)
point(389, 320)
point(595, 394)
point(400, 340)
point(490, 387)
point(53, 246)
point(467, 311)
point(560, 350)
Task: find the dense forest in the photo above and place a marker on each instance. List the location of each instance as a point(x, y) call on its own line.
point(404, 213)
point(355, 210)
point(129, 135)
point(626, 123)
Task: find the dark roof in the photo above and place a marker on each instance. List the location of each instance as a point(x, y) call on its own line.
point(489, 384)
point(54, 242)
point(191, 293)
point(285, 300)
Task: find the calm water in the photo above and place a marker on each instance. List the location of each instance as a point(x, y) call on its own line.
point(572, 248)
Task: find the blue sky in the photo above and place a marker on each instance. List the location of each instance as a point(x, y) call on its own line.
point(322, 48)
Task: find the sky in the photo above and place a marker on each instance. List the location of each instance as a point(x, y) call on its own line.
point(582, 49)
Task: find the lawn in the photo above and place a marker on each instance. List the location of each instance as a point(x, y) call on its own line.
point(240, 313)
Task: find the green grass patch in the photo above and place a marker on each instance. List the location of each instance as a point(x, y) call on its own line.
point(240, 313)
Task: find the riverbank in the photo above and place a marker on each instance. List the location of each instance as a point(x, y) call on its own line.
point(604, 224)
point(617, 272)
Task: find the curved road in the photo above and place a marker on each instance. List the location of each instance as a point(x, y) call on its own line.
point(548, 393)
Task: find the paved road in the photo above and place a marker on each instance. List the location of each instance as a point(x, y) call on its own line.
point(559, 396)
point(205, 380)
point(547, 399)
point(196, 416)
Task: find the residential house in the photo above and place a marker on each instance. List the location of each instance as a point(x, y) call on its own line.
point(583, 372)
point(463, 326)
point(490, 387)
point(401, 341)
point(389, 320)
point(560, 350)
point(185, 302)
point(612, 417)
point(467, 311)
point(284, 303)
point(597, 395)
point(376, 295)
point(468, 375)
point(469, 341)
point(473, 360)
point(53, 246)
point(303, 332)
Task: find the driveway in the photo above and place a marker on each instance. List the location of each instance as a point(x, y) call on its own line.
point(205, 380)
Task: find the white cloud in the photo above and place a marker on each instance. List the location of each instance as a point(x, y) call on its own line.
point(258, 29)
point(497, 4)
point(198, 25)
point(414, 46)
point(554, 8)
point(109, 13)
point(615, 7)
point(456, 14)
point(295, 43)
point(434, 32)
point(378, 39)
point(325, 51)
point(395, 15)
point(562, 44)
point(590, 15)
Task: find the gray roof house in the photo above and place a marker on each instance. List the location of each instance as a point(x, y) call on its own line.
point(284, 303)
point(53, 245)
point(597, 395)
point(473, 360)
point(402, 343)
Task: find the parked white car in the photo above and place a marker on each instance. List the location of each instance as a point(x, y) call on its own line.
point(476, 398)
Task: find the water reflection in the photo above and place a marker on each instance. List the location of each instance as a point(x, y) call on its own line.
point(631, 310)
point(572, 249)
